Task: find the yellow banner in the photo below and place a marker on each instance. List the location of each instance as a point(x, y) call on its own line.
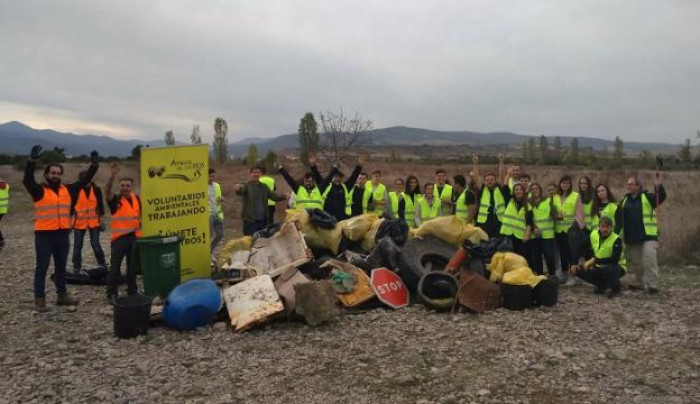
point(175, 201)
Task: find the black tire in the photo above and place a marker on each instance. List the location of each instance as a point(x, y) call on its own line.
point(437, 291)
point(420, 256)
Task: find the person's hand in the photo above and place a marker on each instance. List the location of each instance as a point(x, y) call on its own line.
point(657, 181)
point(510, 170)
point(237, 187)
point(312, 159)
point(36, 152)
point(94, 157)
point(501, 156)
point(536, 230)
point(475, 159)
point(278, 166)
point(114, 169)
point(526, 238)
point(219, 199)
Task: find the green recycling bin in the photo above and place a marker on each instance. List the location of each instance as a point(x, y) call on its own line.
point(159, 261)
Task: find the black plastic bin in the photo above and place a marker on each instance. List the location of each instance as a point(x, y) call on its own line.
point(131, 316)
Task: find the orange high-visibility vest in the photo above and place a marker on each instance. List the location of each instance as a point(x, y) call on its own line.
point(127, 218)
point(52, 211)
point(86, 211)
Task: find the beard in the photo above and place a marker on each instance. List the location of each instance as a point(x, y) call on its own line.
point(53, 181)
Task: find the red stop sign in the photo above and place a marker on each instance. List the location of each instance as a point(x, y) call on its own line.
point(389, 288)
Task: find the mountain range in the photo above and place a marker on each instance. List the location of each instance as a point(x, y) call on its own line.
point(18, 138)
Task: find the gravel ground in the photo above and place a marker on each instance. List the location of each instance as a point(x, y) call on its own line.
point(588, 349)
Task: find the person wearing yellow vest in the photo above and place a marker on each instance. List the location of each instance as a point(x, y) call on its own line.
point(360, 196)
point(271, 204)
point(4, 205)
point(542, 238)
point(125, 227)
point(517, 221)
point(512, 177)
point(216, 217)
point(336, 195)
point(569, 211)
point(636, 223)
point(52, 224)
point(586, 194)
point(608, 263)
point(443, 191)
point(407, 204)
point(463, 200)
point(379, 194)
point(604, 204)
point(428, 206)
point(492, 198)
point(307, 195)
point(88, 210)
point(394, 197)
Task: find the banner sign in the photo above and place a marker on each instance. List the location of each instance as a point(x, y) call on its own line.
point(175, 201)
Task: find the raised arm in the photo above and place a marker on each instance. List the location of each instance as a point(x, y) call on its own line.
point(501, 169)
point(288, 178)
point(34, 189)
point(113, 171)
point(92, 170)
point(353, 177)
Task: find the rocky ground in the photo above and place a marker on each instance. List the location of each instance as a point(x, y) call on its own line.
point(588, 349)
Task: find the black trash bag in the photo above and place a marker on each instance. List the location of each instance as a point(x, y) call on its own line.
point(516, 297)
point(546, 293)
point(268, 231)
point(322, 219)
point(486, 249)
point(95, 276)
point(397, 229)
point(348, 245)
point(385, 254)
point(313, 268)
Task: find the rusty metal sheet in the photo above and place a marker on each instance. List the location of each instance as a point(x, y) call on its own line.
point(252, 302)
point(284, 250)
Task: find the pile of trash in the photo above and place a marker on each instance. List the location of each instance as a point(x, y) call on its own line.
point(310, 265)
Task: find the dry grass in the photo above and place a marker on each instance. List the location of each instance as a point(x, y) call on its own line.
point(679, 216)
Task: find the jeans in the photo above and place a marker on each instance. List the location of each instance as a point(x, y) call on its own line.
point(604, 277)
point(539, 248)
point(271, 214)
point(78, 236)
point(48, 244)
point(121, 248)
point(251, 227)
point(2, 240)
point(562, 240)
point(216, 226)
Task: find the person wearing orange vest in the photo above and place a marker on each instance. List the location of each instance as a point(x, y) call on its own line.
point(125, 226)
point(52, 224)
point(88, 210)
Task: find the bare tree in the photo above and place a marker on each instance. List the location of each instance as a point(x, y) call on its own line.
point(220, 140)
point(195, 136)
point(340, 133)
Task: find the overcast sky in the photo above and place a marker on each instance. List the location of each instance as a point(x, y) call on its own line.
point(134, 69)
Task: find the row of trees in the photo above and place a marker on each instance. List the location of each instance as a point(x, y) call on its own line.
point(219, 145)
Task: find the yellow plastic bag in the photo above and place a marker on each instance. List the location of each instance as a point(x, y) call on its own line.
point(316, 237)
point(369, 240)
point(504, 262)
point(355, 228)
point(231, 246)
point(522, 276)
point(446, 228)
point(450, 229)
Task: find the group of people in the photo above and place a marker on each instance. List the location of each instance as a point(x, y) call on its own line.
point(60, 208)
point(538, 220)
point(506, 203)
